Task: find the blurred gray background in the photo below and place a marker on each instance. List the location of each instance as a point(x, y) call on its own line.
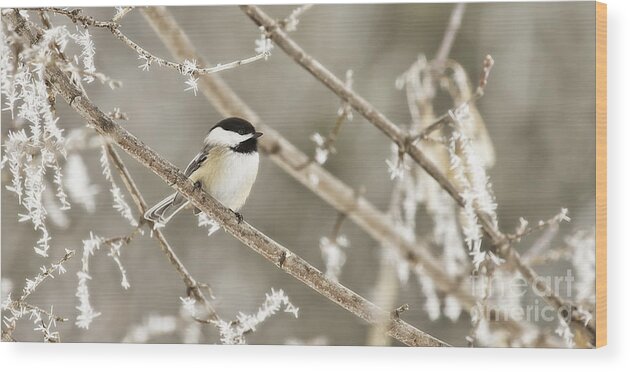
point(538, 108)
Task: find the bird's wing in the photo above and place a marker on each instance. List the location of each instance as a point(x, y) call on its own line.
point(197, 161)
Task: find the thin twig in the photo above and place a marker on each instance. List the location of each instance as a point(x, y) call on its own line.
point(291, 21)
point(525, 229)
point(454, 24)
point(499, 242)
point(488, 62)
point(20, 303)
point(121, 13)
point(194, 287)
point(190, 68)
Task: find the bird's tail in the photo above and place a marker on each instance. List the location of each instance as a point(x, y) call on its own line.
point(163, 211)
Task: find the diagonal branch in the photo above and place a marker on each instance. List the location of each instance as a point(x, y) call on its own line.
point(193, 286)
point(287, 157)
point(499, 242)
point(454, 23)
point(254, 239)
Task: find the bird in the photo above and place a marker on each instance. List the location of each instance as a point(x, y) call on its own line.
point(225, 168)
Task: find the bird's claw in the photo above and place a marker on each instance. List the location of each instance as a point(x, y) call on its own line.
point(239, 217)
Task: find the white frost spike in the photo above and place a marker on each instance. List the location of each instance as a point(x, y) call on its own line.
point(476, 192)
point(204, 221)
point(263, 44)
point(120, 204)
point(234, 332)
point(84, 40)
point(191, 84)
point(114, 253)
point(86, 312)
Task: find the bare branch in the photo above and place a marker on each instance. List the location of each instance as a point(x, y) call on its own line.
point(285, 155)
point(454, 23)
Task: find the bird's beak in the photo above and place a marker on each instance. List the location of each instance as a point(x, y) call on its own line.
point(257, 134)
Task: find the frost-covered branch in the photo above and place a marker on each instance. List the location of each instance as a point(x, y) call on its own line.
point(263, 245)
point(500, 244)
point(525, 228)
point(193, 286)
point(415, 252)
point(188, 68)
point(329, 188)
point(286, 156)
point(233, 333)
point(326, 146)
point(121, 11)
point(20, 308)
point(292, 20)
point(446, 118)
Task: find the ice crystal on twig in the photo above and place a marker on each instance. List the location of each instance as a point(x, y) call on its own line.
point(234, 332)
point(120, 204)
point(20, 308)
point(86, 312)
point(84, 40)
point(263, 44)
point(292, 20)
point(204, 221)
point(475, 190)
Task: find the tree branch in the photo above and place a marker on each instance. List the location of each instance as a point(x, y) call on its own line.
point(285, 155)
point(77, 17)
point(193, 286)
point(499, 242)
point(454, 23)
point(261, 244)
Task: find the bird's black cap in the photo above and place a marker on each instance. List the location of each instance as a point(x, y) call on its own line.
point(237, 125)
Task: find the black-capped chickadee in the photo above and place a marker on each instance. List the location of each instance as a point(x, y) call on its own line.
point(226, 168)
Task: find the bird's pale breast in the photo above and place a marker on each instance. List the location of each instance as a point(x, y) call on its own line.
point(228, 176)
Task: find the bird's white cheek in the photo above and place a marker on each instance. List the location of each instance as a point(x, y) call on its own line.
point(222, 137)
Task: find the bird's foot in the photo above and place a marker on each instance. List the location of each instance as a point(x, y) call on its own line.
point(239, 217)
